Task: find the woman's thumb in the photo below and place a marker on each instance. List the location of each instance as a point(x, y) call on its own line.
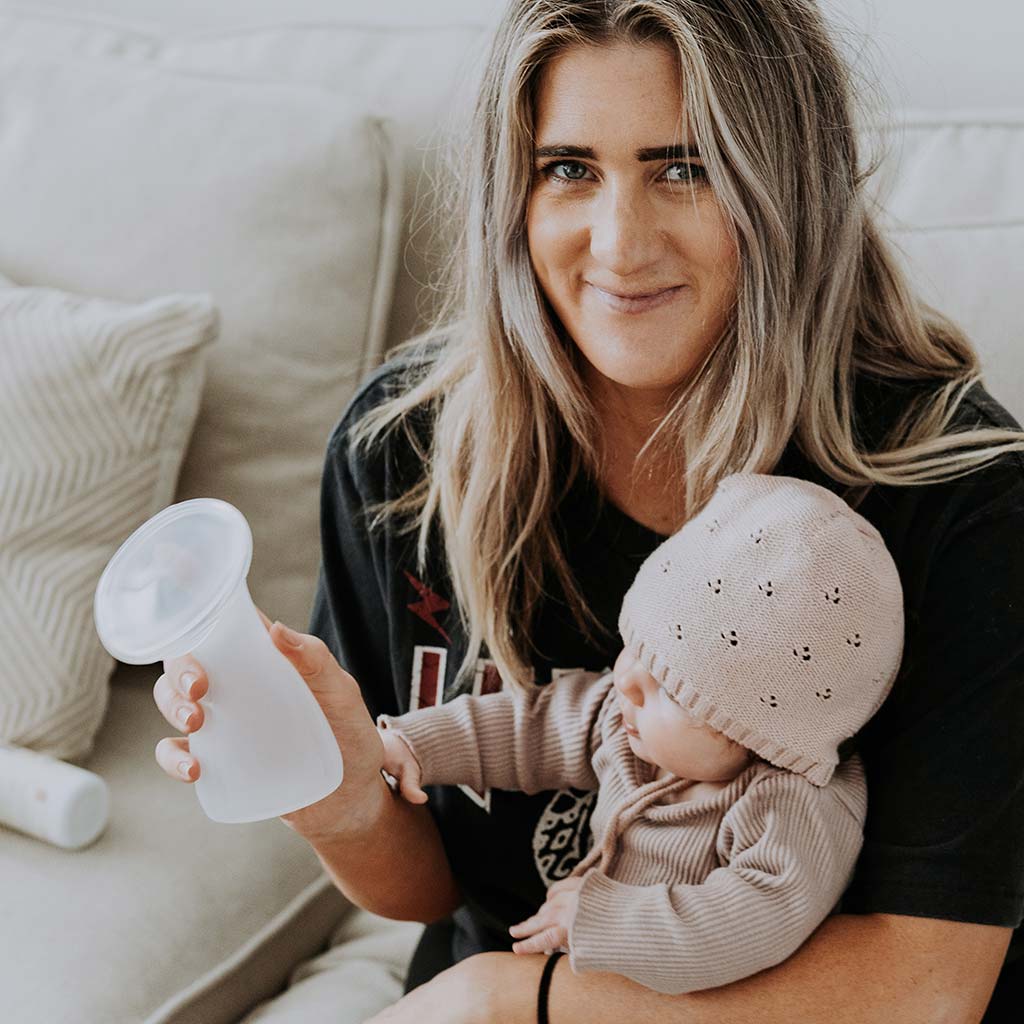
point(291, 639)
point(308, 654)
point(312, 659)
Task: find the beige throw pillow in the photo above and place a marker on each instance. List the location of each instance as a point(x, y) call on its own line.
point(97, 405)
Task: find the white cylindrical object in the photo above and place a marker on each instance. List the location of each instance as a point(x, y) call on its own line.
point(50, 799)
point(265, 747)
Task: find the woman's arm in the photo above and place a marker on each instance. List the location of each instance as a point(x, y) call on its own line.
point(383, 853)
point(370, 863)
point(852, 970)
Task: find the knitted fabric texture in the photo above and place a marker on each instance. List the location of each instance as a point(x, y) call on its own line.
point(775, 615)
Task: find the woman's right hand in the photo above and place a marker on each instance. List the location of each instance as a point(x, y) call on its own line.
point(360, 796)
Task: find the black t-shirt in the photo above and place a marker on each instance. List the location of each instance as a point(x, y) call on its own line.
point(944, 756)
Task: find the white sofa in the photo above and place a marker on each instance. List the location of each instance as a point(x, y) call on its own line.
point(272, 159)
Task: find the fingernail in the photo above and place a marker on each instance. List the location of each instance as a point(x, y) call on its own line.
point(186, 681)
point(290, 636)
point(184, 714)
point(183, 767)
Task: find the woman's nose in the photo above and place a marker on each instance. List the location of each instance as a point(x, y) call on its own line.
point(623, 238)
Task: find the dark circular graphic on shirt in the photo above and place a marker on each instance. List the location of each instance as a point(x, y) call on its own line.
point(562, 836)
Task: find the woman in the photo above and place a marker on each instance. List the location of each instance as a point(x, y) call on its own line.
point(666, 272)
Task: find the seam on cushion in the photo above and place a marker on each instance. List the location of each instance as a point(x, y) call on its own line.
point(148, 30)
point(156, 30)
point(341, 26)
point(168, 1010)
point(908, 117)
point(1009, 225)
point(389, 223)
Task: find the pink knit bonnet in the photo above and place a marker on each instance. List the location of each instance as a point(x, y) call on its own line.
point(775, 615)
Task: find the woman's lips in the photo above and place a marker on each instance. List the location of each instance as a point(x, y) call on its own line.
point(631, 730)
point(640, 304)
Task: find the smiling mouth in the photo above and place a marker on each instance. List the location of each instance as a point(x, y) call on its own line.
point(636, 303)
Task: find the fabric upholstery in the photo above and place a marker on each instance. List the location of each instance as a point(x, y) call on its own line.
point(128, 179)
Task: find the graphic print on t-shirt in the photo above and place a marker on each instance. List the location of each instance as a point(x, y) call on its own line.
point(562, 837)
point(427, 605)
point(486, 679)
point(426, 690)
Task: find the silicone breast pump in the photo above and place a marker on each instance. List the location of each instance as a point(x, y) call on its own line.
point(178, 585)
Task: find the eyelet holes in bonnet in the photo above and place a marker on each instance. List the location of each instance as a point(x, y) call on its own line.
point(770, 699)
point(715, 585)
point(854, 641)
point(732, 637)
point(832, 595)
point(804, 654)
point(766, 588)
point(825, 694)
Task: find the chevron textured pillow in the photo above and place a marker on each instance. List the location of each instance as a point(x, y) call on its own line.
point(97, 404)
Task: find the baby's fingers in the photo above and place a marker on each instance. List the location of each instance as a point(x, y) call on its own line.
point(527, 927)
point(547, 941)
point(410, 788)
point(172, 754)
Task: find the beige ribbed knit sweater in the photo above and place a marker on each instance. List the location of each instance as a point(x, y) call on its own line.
point(678, 896)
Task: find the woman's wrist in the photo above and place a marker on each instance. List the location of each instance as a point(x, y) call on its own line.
point(544, 988)
point(506, 985)
point(344, 820)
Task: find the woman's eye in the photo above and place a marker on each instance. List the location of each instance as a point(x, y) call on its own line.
point(565, 170)
point(690, 173)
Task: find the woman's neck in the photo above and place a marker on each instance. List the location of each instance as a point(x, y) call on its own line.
point(654, 495)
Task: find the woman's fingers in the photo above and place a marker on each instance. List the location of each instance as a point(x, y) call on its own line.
point(172, 754)
point(169, 692)
point(182, 684)
point(363, 792)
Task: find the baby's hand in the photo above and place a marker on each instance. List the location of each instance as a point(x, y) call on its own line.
point(400, 763)
point(548, 929)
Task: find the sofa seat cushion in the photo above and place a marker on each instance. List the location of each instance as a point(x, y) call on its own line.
point(164, 904)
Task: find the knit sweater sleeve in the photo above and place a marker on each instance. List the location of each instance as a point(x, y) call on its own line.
point(531, 742)
point(787, 850)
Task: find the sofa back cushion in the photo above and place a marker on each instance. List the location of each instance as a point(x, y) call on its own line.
point(127, 179)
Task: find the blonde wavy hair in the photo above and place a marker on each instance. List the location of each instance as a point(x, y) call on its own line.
point(821, 298)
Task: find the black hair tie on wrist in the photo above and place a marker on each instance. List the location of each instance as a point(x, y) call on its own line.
point(545, 985)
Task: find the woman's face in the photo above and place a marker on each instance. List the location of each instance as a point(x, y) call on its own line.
point(626, 238)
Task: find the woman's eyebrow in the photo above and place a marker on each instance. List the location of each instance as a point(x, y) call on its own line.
point(652, 153)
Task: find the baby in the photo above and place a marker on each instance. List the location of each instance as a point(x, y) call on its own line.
point(759, 637)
